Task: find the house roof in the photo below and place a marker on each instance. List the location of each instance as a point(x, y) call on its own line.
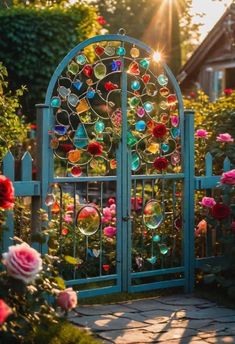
point(208, 43)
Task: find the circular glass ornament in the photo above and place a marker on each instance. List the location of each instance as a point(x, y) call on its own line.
point(162, 80)
point(135, 85)
point(134, 52)
point(88, 220)
point(76, 171)
point(152, 216)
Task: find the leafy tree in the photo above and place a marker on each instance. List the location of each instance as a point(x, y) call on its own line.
point(165, 25)
point(12, 128)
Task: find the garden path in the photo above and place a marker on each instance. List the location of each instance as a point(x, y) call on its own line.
point(179, 319)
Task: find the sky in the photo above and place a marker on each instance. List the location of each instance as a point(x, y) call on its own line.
point(213, 11)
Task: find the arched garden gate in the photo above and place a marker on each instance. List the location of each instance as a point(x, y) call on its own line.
point(116, 169)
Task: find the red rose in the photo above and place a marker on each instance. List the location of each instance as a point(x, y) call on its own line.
point(101, 20)
point(160, 163)
point(159, 130)
point(5, 311)
point(220, 211)
point(95, 148)
point(228, 91)
point(6, 193)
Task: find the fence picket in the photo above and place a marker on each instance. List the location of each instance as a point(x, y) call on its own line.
point(26, 167)
point(208, 164)
point(8, 166)
point(226, 164)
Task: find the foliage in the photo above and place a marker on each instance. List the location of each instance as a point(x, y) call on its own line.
point(39, 39)
point(12, 128)
point(220, 224)
point(216, 117)
point(62, 333)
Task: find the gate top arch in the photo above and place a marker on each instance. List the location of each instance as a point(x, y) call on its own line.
point(100, 81)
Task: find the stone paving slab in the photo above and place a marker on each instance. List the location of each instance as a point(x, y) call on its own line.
point(179, 319)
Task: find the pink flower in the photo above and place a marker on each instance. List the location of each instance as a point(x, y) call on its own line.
point(208, 202)
point(110, 231)
point(228, 177)
point(113, 209)
point(68, 218)
point(224, 138)
point(107, 215)
point(5, 311)
point(111, 201)
point(67, 299)
point(202, 133)
point(22, 262)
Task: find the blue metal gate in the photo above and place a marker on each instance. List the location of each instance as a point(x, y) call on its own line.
point(116, 170)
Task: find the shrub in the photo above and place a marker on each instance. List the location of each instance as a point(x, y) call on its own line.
point(12, 128)
point(38, 40)
point(216, 118)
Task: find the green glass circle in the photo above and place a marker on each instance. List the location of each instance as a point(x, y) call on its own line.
point(152, 216)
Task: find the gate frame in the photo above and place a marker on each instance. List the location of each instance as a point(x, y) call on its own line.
point(45, 120)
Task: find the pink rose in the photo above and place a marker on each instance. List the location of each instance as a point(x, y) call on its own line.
point(67, 299)
point(224, 138)
point(22, 262)
point(110, 231)
point(208, 202)
point(5, 311)
point(68, 218)
point(113, 209)
point(111, 201)
point(107, 214)
point(228, 177)
point(201, 133)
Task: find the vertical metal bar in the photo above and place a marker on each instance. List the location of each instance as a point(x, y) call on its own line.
point(189, 255)
point(125, 191)
point(101, 227)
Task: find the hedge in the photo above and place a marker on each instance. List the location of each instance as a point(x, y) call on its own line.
point(33, 42)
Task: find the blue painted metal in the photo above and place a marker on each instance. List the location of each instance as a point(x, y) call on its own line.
point(189, 201)
point(26, 167)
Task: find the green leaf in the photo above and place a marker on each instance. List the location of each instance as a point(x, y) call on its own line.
point(209, 278)
point(71, 260)
point(60, 282)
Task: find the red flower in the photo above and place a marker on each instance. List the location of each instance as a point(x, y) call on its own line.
point(5, 311)
point(101, 20)
point(159, 130)
point(228, 91)
point(160, 163)
point(220, 211)
point(192, 94)
point(6, 193)
point(66, 147)
point(95, 148)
